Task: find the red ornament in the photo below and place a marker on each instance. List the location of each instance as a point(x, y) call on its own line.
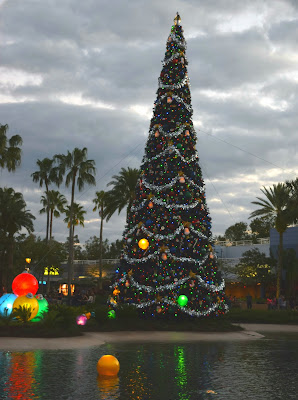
point(24, 283)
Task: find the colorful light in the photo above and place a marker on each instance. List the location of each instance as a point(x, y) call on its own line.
point(24, 283)
point(6, 304)
point(29, 302)
point(111, 314)
point(43, 307)
point(143, 244)
point(81, 319)
point(182, 300)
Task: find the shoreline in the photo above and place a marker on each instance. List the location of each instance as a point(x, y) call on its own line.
point(91, 339)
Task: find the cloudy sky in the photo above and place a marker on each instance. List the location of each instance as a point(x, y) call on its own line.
point(84, 74)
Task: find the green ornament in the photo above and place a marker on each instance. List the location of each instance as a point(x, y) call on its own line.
point(43, 307)
point(188, 195)
point(182, 300)
point(179, 146)
point(111, 314)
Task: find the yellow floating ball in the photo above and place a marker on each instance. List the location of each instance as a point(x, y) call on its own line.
point(108, 366)
point(143, 244)
point(28, 301)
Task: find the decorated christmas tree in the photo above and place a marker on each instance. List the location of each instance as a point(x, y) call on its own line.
point(168, 266)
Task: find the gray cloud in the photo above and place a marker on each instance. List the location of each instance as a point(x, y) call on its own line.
point(90, 56)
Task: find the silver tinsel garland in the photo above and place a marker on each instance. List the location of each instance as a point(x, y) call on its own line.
point(156, 255)
point(168, 237)
point(180, 43)
point(160, 188)
point(179, 85)
point(173, 149)
point(178, 99)
point(164, 204)
point(176, 133)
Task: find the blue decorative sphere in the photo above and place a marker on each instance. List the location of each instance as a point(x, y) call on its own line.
point(6, 304)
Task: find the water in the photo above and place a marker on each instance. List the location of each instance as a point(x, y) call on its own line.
point(262, 369)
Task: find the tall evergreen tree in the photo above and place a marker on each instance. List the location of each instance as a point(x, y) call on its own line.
point(177, 273)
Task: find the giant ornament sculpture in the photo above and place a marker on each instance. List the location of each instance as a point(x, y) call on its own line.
point(24, 283)
point(28, 301)
point(6, 304)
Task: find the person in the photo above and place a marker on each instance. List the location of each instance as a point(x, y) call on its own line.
point(90, 297)
point(269, 303)
point(77, 298)
point(249, 301)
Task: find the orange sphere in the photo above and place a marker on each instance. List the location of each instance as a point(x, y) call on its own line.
point(108, 366)
point(143, 244)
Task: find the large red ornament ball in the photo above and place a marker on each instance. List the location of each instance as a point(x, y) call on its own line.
point(24, 283)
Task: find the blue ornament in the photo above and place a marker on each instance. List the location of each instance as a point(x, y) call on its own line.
point(6, 304)
point(148, 222)
point(173, 249)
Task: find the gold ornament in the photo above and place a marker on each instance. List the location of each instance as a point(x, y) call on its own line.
point(143, 244)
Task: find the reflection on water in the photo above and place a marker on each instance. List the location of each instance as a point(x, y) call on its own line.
point(263, 369)
point(20, 377)
point(108, 388)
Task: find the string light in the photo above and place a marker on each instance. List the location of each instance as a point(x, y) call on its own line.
point(170, 211)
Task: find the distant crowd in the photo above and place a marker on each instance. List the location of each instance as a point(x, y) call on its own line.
point(79, 298)
point(272, 303)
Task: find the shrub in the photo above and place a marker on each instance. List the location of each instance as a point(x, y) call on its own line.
point(22, 313)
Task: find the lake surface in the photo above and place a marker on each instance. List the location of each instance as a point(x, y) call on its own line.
point(265, 369)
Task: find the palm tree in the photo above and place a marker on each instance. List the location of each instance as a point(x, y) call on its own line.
point(45, 175)
point(54, 203)
point(80, 171)
point(77, 216)
point(100, 204)
point(10, 152)
point(275, 205)
point(13, 218)
point(293, 188)
point(123, 192)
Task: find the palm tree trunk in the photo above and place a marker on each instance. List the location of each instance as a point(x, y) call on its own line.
point(48, 281)
point(100, 248)
point(280, 265)
point(51, 224)
point(48, 213)
point(10, 249)
point(71, 234)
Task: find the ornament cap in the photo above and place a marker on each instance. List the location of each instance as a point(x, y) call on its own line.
point(29, 295)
